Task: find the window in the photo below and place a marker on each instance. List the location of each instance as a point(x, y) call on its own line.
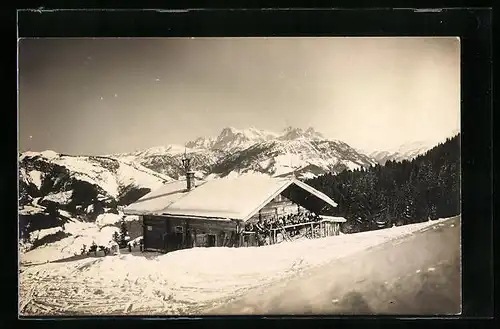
point(178, 229)
point(149, 228)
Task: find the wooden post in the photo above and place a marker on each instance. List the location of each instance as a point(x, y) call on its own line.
point(312, 231)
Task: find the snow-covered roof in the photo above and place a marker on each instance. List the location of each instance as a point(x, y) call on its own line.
point(232, 198)
point(157, 200)
point(333, 219)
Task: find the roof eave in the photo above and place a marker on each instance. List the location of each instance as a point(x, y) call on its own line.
point(315, 192)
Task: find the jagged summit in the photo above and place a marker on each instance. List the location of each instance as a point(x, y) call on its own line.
point(290, 133)
point(238, 151)
point(232, 139)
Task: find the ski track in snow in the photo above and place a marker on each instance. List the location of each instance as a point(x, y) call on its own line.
point(182, 282)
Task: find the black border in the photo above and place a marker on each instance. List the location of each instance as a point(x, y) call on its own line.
point(473, 26)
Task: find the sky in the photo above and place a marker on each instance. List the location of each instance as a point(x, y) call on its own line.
point(104, 96)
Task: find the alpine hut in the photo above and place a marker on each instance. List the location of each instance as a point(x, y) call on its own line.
point(184, 213)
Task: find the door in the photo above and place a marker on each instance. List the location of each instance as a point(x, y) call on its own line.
point(211, 240)
point(153, 234)
point(174, 240)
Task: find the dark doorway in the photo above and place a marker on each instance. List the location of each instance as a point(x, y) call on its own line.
point(153, 233)
point(210, 240)
point(173, 241)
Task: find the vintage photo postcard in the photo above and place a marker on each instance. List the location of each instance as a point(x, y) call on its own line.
point(239, 176)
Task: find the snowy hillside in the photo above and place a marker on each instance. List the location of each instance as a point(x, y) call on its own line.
point(168, 160)
point(108, 175)
point(67, 240)
point(307, 157)
point(55, 187)
point(182, 282)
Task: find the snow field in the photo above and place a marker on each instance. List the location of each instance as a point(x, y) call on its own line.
point(81, 233)
point(181, 282)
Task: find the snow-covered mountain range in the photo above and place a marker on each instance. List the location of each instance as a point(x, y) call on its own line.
point(406, 151)
point(55, 188)
point(236, 151)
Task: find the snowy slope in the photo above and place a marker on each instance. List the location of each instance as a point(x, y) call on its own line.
point(185, 281)
point(77, 234)
point(109, 174)
point(55, 188)
point(307, 157)
point(168, 160)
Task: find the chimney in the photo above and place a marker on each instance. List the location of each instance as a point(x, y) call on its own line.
point(190, 180)
point(186, 162)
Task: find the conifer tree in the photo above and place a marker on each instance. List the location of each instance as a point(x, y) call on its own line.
point(123, 233)
point(405, 192)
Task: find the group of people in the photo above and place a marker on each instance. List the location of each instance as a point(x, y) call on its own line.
point(267, 224)
point(263, 227)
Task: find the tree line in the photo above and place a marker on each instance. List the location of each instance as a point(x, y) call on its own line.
point(397, 193)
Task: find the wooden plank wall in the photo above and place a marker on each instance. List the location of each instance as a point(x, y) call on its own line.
point(154, 228)
point(332, 228)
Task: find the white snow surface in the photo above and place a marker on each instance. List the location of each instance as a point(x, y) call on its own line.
point(181, 282)
point(129, 173)
point(136, 240)
point(351, 165)
point(61, 197)
point(36, 177)
point(40, 234)
point(307, 175)
point(64, 213)
point(49, 154)
point(285, 163)
point(31, 210)
point(107, 219)
point(81, 233)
